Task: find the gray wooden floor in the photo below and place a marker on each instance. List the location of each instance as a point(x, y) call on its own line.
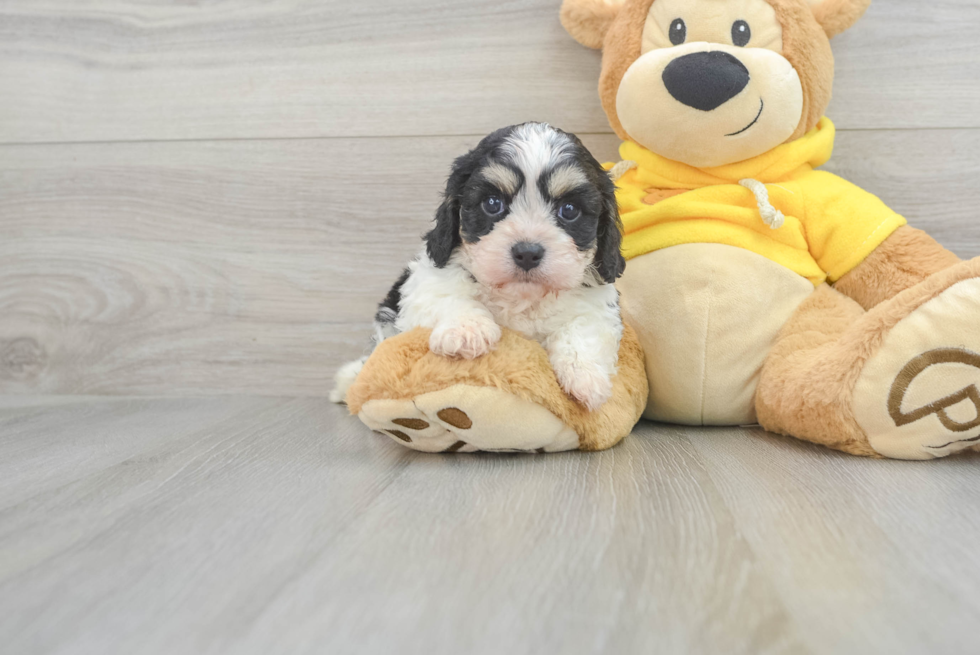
point(200, 204)
point(264, 525)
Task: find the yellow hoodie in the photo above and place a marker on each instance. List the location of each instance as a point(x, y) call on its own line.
point(830, 225)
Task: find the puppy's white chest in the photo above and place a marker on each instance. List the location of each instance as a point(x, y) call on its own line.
point(535, 317)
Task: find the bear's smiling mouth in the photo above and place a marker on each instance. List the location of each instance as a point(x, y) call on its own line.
point(755, 120)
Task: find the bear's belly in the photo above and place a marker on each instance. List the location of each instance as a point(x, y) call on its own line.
point(707, 316)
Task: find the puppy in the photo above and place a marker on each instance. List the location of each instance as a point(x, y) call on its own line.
point(527, 237)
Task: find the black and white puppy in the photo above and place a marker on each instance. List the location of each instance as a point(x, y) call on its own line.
point(527, 237)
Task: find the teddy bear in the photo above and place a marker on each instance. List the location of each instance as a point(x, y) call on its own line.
point(757, 289)
point(761, 289)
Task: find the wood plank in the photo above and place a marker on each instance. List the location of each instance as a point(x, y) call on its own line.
point(292, 528)
point(254, 267)
point(287, 526)
point(623, 551)
point(44, 440)
point(27, 401)
point(870, 556)
point(121, 70)
point(111, 70)
point(248, 258)
point(909, 64)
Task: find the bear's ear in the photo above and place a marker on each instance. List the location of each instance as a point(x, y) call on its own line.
point(835, 16)
point(589, 20)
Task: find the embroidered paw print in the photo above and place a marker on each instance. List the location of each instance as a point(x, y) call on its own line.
point(466, 419)
point(453, 416)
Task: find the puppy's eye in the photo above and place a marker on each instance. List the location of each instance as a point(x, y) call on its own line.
point(493, 206)
point(569, 212)
point(678, 32)
point(741, 33)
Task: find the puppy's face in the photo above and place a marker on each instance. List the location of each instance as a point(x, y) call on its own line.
point(530, 208)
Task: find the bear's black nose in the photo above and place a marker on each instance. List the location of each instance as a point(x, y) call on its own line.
point(705, 80)
point(527, 255)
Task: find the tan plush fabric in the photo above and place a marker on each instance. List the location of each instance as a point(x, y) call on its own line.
point(589, 20)
point(807, 380)
point(659, 195)
point(619, 50)
point(403, 368)
point(807, 389)
point(835, 16)
point(807, 48)
point(904, 259)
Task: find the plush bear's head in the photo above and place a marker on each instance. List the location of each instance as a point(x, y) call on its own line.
point(711, 82)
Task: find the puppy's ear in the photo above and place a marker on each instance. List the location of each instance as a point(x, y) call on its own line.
point(835, 16)
point(589, 20)
point(444, 238)
point(609, 262)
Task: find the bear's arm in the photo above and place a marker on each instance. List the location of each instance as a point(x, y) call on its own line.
point(904, 259)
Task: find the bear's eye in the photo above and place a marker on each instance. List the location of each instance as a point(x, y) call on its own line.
point(493, 206)
point(678, 32)
point(741, 33)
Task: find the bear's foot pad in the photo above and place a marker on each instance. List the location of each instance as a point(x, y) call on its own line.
point(465, 419)
point(929, 365)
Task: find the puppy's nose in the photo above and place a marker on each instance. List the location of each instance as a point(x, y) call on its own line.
point(705, 80)
point(527, 255)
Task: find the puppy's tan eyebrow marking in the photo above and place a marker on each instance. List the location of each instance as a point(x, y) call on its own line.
point(502, 177)
point(565, 178)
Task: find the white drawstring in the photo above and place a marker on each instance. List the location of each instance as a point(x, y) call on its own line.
point(619, 170)
point(770, 215)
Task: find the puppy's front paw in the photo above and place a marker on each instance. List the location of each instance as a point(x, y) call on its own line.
point(468, 338)
point(590, 385)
